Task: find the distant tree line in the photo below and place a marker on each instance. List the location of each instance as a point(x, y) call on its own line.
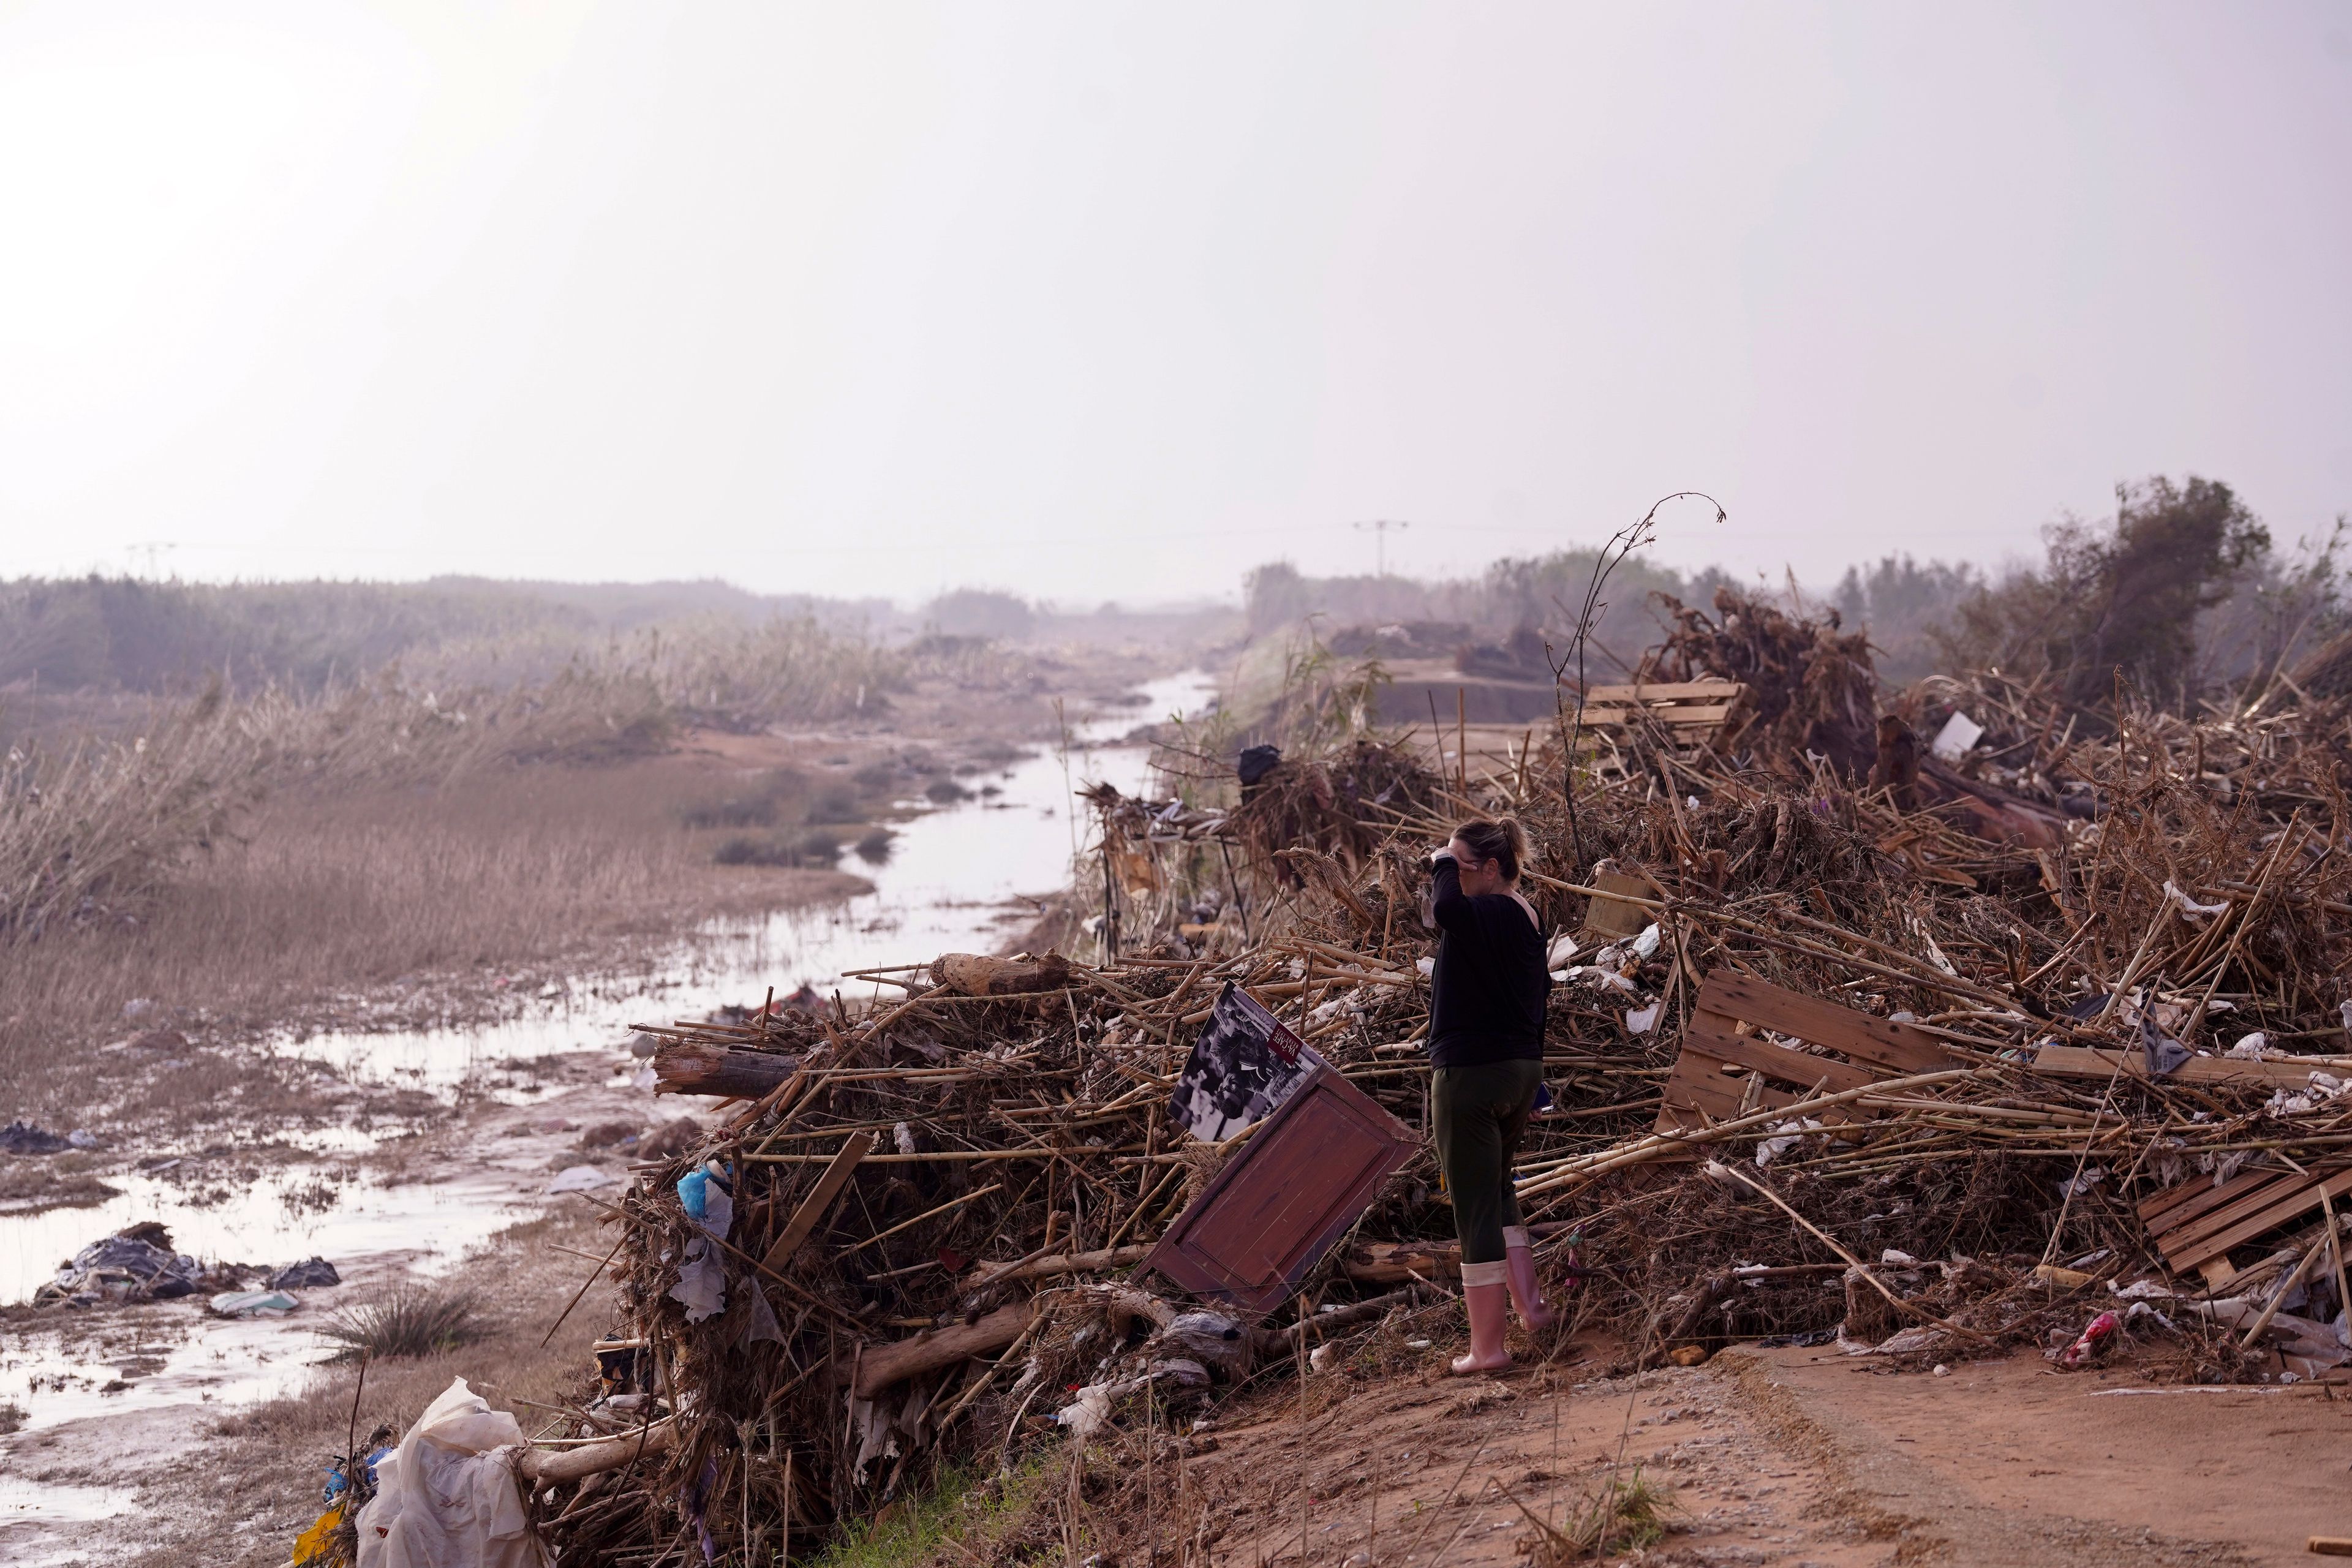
point(2180, 593)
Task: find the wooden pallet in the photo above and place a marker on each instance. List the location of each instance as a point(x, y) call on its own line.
point(1721, 1073)
point(1687, 713)
point(2195, 1224)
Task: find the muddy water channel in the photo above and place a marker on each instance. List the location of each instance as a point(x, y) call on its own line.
point(957, 878)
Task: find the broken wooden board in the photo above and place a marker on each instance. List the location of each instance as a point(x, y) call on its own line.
point(1722, 1073)
point(2195, 1224)
point(1277, 1206)
point(2091, 1061)
point(812, 1208)
point(1613, 920)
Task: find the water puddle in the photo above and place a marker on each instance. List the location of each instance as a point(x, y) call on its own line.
point(283, 1217)
point(955, 881)
point(31, 1513)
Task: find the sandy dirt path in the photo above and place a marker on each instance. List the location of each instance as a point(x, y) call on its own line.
point(1784, 1457)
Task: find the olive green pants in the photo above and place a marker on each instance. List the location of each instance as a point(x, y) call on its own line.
point(1479, 1114)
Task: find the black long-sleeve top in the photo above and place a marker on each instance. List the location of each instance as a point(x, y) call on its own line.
point(1487, 988)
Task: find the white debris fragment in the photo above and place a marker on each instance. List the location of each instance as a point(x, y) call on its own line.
point(1958, 733)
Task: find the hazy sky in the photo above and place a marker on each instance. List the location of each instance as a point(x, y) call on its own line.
point(1098, 300)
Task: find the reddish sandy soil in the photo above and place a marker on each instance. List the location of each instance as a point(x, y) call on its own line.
point(1788, 1456)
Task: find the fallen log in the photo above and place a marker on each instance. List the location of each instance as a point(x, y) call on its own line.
point(975, 974)
point(1055, 1263)
point(697, 1067)
point(879, 1366)
point(549, 1466)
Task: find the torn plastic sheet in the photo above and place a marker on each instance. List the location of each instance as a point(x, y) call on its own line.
point(701, 1287)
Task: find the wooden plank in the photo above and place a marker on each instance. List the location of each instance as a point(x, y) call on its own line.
point(2192, 1245)
point(1894, 1046)
point(1799, 1069)
point(1698, 1084)
point(811, 1210)
point(2238, 1204)
point(1614, 917)
point(1675, 717)
point(1664, 691)
point(2089, 1061)
point(2177, 1205)
point(2210, 1242)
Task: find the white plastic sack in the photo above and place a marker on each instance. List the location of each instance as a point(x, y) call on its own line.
point(581, 1179)
point(447, 1497)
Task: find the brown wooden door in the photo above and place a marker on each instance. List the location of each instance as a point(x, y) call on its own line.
point(1279, 1204)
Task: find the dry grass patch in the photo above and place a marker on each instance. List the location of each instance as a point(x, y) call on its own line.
point(333, 892)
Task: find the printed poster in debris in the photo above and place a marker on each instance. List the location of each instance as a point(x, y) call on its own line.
point(1244, 1065)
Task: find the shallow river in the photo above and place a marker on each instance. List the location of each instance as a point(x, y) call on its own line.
point(956, 880)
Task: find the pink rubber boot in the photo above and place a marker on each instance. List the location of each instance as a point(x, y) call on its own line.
point(1486, 1293)
point(1526, 1290)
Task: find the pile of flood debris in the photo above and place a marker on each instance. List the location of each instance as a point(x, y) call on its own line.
point(1931, 1026)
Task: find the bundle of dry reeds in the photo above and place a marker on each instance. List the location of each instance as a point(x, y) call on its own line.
point(931, 1199)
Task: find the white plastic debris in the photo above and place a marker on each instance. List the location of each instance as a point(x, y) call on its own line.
point(1791, 1134)
point(253, 1303)
point(581, 1179)
point(1089, 1413)
point(82, 1138)
point(447, 1497)
point(2091, 1177)
point(1958, 733)
point(1647, 943)
point(1641, 1020)
point(1942, 1371)
point(1895, 1257)
point(2190, 910)
point(904, 1137)
point(1427, 966)
point(1562, 949)
point(2249, 1047)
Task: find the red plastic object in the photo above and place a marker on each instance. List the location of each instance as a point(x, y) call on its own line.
point(2094, 1342)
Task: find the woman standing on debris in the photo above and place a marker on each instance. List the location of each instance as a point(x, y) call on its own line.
point(1485, 1043)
